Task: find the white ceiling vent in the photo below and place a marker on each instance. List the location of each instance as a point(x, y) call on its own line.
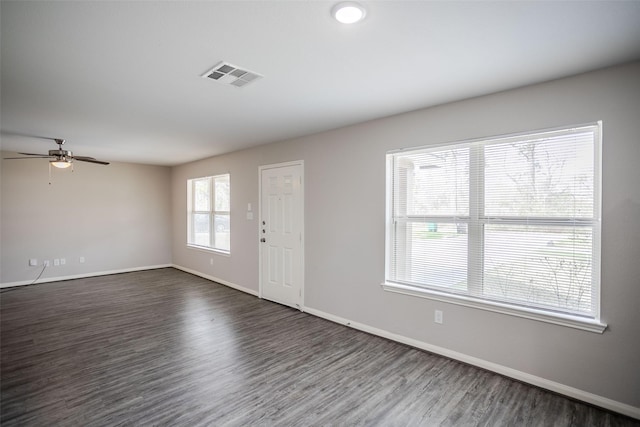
point(231, 75)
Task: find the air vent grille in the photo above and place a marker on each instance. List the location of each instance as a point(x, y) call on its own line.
point(231, 75)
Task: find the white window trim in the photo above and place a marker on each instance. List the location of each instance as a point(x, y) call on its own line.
point(212, 213)
point(208, 249)
point(563, 319)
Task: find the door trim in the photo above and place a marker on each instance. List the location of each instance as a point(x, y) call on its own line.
point(300, 304)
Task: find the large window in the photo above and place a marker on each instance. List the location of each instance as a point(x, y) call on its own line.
point(208, 216)
point(509, 222)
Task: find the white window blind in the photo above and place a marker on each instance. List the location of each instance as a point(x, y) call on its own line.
point(513, 220)
point(208, 213)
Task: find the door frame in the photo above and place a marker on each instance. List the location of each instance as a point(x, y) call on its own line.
point(300, 304)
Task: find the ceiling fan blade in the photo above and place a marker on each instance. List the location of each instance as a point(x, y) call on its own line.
point(36, 157)
point(33, 154)
point(90, 160)
point(26, 135)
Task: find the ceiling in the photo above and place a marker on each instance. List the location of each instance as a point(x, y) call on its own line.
point(121, 81)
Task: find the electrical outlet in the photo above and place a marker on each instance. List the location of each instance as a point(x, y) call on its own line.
point(63, 261)
point(438, 316)
point(33, 262)
point(46, 263)
point(211, 261)
point(81, 260)
point(56, 262)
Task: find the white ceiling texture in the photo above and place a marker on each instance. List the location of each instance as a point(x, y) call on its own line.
point(121, 80)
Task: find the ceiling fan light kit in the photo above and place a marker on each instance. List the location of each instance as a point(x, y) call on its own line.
point(63, 158)
point(60, 164)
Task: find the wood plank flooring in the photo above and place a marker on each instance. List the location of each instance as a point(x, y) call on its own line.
point(164, 347)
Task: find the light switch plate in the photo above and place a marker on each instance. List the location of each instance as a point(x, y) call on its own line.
point(438, 316)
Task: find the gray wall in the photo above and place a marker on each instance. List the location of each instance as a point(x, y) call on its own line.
point(345, 215)
point(117, 217)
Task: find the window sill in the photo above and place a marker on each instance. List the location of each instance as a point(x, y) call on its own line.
point(209, 250)
point(527, 313)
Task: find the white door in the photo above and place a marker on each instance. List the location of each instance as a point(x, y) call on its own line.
point(281, 233)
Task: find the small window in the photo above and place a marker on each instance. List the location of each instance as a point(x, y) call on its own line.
point(208, 213)
point(512, 221)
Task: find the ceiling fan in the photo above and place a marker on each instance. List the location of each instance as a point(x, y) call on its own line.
point(59, 158)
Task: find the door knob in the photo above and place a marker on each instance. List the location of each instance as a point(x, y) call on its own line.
point(263, 240)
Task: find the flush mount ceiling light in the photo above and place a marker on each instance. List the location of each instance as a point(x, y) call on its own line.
point(348, 12)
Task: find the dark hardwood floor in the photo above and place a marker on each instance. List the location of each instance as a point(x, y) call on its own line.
point(163, 347)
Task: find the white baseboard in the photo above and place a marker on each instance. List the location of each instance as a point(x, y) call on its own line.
point(83, 275)
point(572, 392)
point(216, 279)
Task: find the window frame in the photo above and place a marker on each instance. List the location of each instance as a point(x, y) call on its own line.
point(476, 221)
point(211, 213)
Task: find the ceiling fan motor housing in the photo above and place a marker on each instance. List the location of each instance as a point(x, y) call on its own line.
point(60, 153)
